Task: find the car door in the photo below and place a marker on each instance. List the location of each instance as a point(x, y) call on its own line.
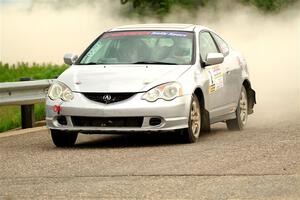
point(232, 75)
point(216, 103)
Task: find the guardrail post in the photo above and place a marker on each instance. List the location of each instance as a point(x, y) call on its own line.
point(27, 112)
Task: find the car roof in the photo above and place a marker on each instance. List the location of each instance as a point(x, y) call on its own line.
point(161, 26)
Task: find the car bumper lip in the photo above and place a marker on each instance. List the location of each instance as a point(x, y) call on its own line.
point(173, 114)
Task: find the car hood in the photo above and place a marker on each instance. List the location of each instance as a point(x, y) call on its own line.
point(119, 78)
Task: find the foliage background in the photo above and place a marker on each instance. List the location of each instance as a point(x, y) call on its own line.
point(162, 7)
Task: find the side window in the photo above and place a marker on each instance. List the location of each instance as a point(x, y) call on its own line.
point(224, 48)
point(207, 45)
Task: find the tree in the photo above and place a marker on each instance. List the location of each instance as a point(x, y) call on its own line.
point(160, 8)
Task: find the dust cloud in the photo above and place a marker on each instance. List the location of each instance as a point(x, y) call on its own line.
point(43, 33)
point(271, 46)
point(270, 43)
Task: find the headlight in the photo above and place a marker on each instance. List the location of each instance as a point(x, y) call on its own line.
point(60, 91)
point(167, 91)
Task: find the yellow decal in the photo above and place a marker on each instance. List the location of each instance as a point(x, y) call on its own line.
point(216, 80)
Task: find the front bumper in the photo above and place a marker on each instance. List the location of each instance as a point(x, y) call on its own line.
point(173, 114)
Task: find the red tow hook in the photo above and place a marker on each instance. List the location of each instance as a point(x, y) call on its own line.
point(57, 109)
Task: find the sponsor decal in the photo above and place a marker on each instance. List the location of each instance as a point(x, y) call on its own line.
point(216, 78)
point(175, 34)
point(155, 33)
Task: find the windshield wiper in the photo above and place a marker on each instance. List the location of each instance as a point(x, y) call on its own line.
point(90, 63)
point(154, 63)
point(139, 62)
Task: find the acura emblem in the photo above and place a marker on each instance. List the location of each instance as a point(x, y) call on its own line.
point(106, 98)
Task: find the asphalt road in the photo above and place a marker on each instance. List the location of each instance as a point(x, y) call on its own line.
point(261, 162)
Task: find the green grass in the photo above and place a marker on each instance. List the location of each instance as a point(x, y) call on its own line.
point(10, 116)
point(9, 73)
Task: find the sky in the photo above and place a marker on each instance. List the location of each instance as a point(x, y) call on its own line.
point(15, 1)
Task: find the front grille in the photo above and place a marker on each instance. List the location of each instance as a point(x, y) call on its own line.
point(107, 121)
point(108, 98)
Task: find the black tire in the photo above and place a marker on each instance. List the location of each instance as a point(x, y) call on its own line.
point(205, 122)
point(63, 138)
point(191, 134)
point(241, 112)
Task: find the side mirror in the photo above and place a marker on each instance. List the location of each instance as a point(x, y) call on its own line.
point(70, 58)
point(214, 58)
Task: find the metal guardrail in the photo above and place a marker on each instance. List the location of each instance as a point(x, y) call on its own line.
point(24, 93)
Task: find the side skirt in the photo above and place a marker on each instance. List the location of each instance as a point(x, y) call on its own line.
point(223, 118)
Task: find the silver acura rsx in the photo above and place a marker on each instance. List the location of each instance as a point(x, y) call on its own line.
point(154, 78)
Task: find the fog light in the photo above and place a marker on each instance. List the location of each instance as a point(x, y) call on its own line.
point(62, 120)
point(155, 121)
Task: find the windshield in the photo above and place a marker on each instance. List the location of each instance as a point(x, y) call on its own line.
point(141, 47)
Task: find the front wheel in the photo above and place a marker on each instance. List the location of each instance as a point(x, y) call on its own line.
point(63, 138)
point(240, 121)
point(191, 134)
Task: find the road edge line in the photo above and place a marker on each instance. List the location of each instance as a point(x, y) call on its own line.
point(22, 131)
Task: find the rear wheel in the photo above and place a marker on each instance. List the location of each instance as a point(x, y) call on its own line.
point(63, 138)
point(240, 121)
point(191, 134)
